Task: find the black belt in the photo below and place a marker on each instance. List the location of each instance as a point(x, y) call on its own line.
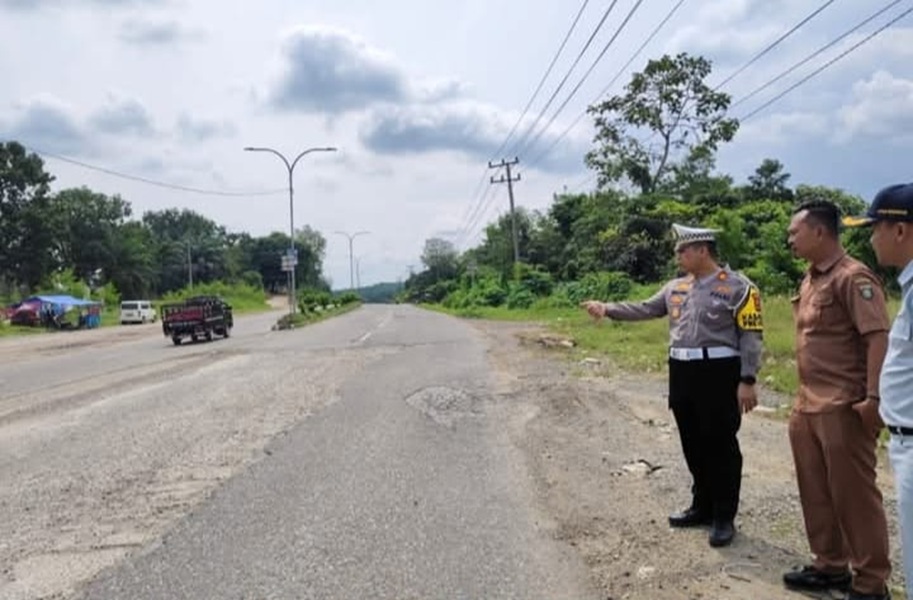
point(900, 430)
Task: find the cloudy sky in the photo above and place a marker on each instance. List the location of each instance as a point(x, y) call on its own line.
point(419, 95)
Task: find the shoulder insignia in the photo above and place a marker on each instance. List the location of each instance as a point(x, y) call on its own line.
point(749, 314)
point(683, 286)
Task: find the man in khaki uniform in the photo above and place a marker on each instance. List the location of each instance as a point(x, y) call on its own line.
point(841, 339)
point(715, 330)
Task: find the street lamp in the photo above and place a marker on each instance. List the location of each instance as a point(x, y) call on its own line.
point(293, 259)
point(351, 264)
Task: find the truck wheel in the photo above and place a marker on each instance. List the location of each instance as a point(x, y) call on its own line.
point(209, 336)
point(176, 341)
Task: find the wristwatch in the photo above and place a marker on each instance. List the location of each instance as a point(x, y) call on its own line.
point(749, 379)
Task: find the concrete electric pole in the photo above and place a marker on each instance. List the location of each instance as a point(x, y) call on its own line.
point(509, 180)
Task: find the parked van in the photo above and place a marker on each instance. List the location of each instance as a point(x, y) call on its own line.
point(136, 311)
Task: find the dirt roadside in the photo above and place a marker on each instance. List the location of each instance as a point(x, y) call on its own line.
point(603, 452)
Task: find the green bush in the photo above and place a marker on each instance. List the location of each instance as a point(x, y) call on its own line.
point(347, 298)
point(252, 278)
point(312, 300)
point(520, 297)
point(605, 285)
point(558, 299)
point(534, 279)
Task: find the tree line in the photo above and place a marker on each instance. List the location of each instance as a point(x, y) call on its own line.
point(82, 235)
point(654, 158)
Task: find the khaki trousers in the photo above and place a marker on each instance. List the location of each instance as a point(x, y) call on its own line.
point(841, 503)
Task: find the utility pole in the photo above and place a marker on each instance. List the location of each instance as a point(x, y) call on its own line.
point(509, 180)
point(189, 267)
point(351, 237)
point(472, 267)
point(358, 273)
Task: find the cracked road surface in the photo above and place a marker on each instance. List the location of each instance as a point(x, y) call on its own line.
point(363, 456)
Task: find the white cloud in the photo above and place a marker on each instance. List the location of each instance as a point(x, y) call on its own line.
point(779, 128)
point(122, 116)
point(333, 71)
point(161, 33)
point(38, 4)
point(198, 129)
point(880, 106)
point(46, 123)
point(472, 128)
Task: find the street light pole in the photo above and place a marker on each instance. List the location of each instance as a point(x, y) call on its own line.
point(351, 263)
point(291, 210)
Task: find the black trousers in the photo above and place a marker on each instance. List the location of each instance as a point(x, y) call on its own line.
point(703, 396)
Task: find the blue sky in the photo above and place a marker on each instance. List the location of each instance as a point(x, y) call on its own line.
point(417, 96)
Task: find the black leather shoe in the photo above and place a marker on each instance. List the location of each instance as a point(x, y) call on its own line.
point(854, 595)
point(722, 533)
point(689, 518)
point(810, 578)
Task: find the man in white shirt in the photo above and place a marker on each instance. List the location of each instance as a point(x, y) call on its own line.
point(891, 218)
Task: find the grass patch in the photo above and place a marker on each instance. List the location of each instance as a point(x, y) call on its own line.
point(642, 346)
point(300, 319)
point(243, 298)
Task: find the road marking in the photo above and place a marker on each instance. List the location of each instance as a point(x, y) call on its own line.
point(363, 338)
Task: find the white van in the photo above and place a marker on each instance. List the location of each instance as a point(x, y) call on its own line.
point(136, 311)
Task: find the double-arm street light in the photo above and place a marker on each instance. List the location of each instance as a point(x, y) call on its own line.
point(290, 166)
point(351, 237)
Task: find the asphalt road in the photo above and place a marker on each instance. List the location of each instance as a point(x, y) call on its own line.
point(363, 456)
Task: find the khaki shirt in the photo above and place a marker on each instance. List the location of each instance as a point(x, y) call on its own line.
point(836, 306)
point(722, 309)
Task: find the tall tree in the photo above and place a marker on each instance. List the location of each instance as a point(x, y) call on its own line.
point(667, 102)
point(187, 240)
point(311, 250)
point(89, 226)
point(440, 258)
point(26, 229)
point(769, 182)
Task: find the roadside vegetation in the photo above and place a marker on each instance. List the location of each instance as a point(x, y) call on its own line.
point(654, 162)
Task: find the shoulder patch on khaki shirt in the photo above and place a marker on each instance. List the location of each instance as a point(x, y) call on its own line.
point(749, 315)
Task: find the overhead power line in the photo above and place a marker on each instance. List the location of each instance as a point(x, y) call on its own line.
point(567, 75)
point(826, 65)
point(542, 81)
point(611, 83)
point(586, 75)
point(817, 52)
point(774, 44)
point(471, 211)
point(162, 184)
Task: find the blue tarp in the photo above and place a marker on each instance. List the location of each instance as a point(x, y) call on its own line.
point(62, 300)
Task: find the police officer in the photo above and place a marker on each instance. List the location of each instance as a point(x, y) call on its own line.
point(715, 328)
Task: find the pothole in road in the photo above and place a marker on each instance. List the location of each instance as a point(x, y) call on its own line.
point(444, 405)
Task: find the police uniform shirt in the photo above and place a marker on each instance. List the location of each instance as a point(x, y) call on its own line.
point(722, 309)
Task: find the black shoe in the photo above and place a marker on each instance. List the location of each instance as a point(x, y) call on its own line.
point(810, 578)
point(722, 533)
point(689, 518)
point(854, 595)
